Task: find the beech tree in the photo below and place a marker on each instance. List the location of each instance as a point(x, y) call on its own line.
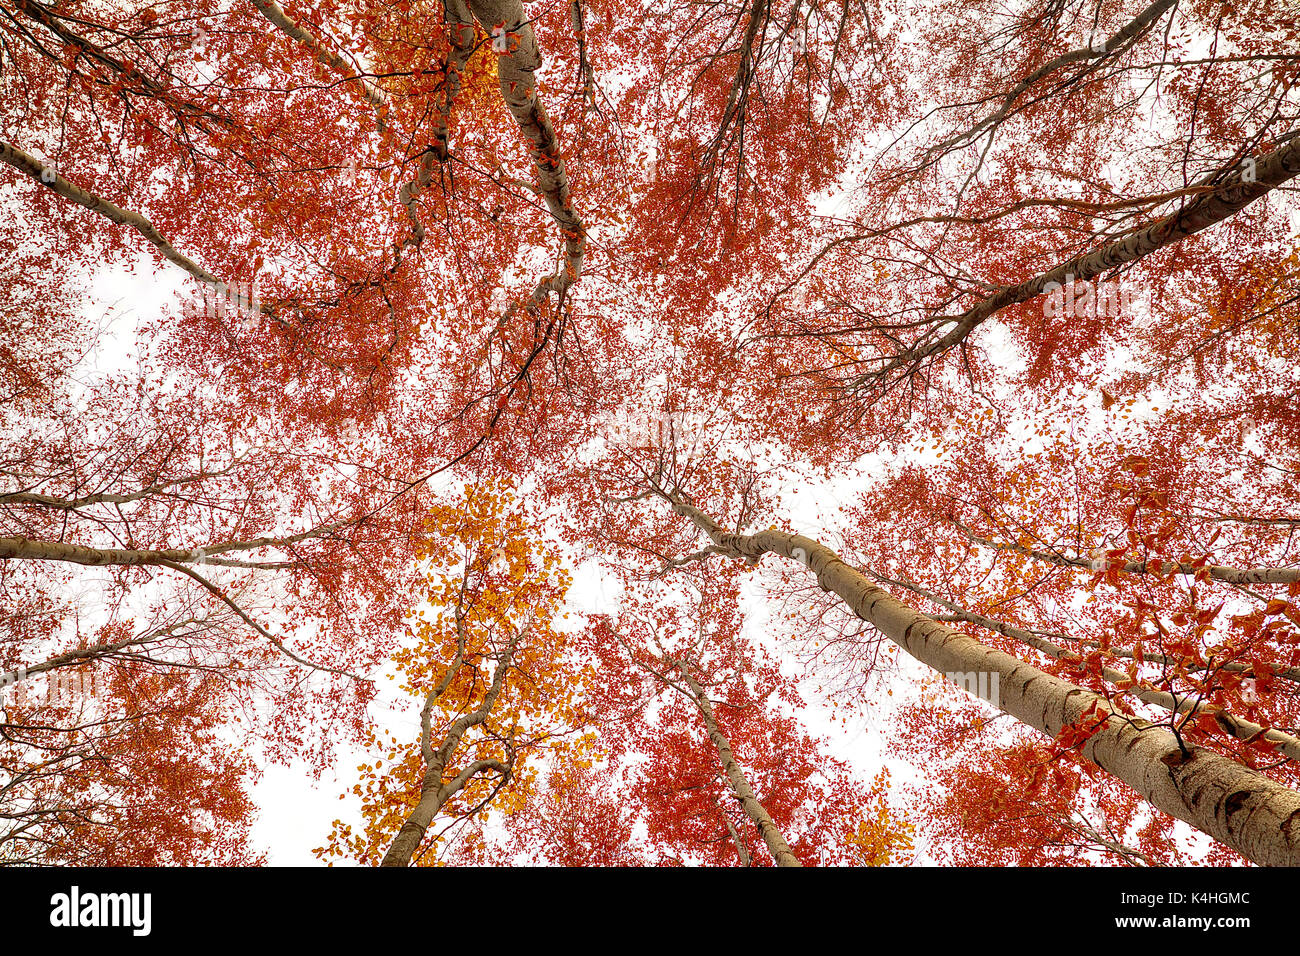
point(453, 304)
point(501, 685)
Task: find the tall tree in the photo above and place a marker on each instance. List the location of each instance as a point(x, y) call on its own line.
point(498, 682)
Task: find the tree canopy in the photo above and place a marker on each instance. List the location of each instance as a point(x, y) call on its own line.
point(922, 379)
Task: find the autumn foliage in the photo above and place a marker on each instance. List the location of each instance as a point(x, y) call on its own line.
point(781, 432)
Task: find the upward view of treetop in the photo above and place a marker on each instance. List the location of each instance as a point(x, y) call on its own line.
point(768, 433)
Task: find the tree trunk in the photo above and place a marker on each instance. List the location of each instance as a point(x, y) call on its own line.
point(739, 785)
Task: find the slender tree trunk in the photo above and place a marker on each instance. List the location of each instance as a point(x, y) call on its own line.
point(433, 791)
point(739, 785)
point(1239, 727)
point(409, 837)
point(33, 167)
point(327, 57)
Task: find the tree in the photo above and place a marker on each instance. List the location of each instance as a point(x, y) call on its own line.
point(131, 768)
point(722, 771)
point(498, 682)
point(1011, 292)
point(576, 819)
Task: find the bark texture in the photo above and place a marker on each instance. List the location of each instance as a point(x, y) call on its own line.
point(1239, 727)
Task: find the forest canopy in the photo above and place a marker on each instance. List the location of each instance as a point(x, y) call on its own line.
point(921, 382)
